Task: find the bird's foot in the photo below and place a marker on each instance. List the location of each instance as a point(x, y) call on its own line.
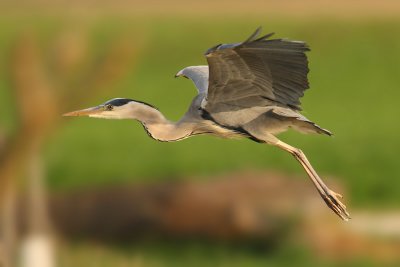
point(332, 200)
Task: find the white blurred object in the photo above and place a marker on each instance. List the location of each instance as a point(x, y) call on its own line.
point(37, 251)
point(385, 224)
point(37, 248)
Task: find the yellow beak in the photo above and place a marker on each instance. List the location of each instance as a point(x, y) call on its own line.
point(84, 112)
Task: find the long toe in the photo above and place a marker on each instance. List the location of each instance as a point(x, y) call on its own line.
point(332, 200)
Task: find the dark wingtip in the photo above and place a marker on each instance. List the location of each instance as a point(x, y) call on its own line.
point(251, 38)
point(212, 49)
point(254, 35)
point(264, 37)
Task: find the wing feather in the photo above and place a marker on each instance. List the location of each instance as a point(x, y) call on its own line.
point(257, 72)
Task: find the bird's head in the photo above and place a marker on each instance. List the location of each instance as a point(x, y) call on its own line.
point(117, 108)
point(192, 72)
point(198, 74)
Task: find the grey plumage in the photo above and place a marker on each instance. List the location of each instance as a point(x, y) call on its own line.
point(248, 73)
point(253, 83)
point(249, 89)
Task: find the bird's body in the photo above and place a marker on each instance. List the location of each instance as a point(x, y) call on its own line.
point(270, 117)
point(249, 89)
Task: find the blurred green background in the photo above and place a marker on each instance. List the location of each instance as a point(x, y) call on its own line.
point(354, 78)
point(353, 93)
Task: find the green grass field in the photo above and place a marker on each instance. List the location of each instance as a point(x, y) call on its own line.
point(354, 93)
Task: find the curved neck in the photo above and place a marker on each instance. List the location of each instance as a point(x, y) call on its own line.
point(157, 126)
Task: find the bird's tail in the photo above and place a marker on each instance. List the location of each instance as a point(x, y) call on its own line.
point(307, 126)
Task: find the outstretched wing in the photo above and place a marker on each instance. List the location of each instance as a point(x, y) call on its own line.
point(256, 72)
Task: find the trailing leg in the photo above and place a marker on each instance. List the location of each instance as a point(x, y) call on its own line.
point(330, 197)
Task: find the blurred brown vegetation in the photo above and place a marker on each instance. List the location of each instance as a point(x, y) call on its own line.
point(250, 207)
point(42, 91)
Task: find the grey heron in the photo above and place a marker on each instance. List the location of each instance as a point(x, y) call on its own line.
point(249, 89)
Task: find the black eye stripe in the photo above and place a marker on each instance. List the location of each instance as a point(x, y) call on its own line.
point(122, 101)
point(118, 102)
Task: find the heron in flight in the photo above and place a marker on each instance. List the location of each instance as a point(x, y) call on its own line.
point(249, 89)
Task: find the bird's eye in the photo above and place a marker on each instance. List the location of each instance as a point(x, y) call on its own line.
point(109, 107)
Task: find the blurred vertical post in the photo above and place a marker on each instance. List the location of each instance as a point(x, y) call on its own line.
point(37, 248)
